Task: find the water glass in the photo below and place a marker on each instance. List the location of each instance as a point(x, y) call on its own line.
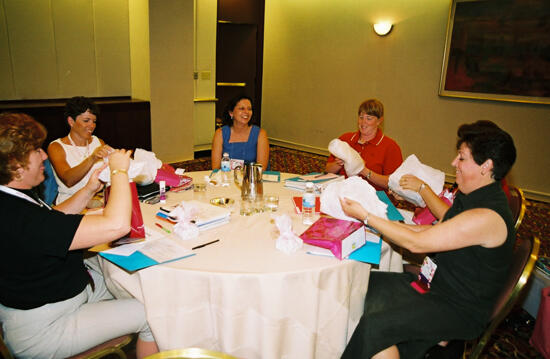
point(247, 207)
point(271, 203)
point(259, 204)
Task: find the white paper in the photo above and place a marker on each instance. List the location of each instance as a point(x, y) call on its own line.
point(353, 188)
point(126, 249)
point(164, 249)
point(412, 165)
point(353, 163)
point(319, 177)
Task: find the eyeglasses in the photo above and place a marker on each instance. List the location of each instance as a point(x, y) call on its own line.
point(365, 116)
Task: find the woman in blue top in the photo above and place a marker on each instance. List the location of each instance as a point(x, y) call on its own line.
point(238, 137)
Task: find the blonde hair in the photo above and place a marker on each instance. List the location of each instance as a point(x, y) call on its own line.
point(372, 107)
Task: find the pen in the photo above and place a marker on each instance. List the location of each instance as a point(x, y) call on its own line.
point(161, 227)
point(205, 244)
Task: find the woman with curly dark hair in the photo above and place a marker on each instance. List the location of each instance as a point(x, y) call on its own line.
point(455, 295)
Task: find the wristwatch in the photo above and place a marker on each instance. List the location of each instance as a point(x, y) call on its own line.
point(366, 220)
point(422, 186)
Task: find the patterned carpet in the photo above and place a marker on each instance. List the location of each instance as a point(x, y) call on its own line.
point(511, 338)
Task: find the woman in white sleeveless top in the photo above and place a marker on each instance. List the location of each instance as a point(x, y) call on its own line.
point(75, 156)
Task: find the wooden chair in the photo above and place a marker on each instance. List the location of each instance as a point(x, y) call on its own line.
point(190, 353)
point(517, 205)
point(523, 261)
point(113, 346)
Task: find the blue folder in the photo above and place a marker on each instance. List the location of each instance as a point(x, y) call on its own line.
point(371, 252)
point(135, 261)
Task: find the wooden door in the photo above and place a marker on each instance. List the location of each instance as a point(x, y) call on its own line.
point(239, 53)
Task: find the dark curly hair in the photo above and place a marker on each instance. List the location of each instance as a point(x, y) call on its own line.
point(78, 105)
point(19, 135)
point(486, 140)
point(227, 120)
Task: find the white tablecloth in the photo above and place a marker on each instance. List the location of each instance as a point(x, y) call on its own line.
point(242, 296)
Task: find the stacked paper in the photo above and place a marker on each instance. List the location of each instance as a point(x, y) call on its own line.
point(320, 181)
point(207, 216)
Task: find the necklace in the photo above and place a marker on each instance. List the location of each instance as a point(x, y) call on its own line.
point(86, 151)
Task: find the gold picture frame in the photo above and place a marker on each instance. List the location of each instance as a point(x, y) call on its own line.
point(497, 50)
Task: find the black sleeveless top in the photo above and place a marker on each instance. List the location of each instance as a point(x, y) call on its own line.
point(472, 277)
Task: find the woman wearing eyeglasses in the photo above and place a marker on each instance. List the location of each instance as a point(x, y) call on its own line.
point(53, 303)
point(381, 154)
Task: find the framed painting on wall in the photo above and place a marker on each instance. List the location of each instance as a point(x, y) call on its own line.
point(498, 50)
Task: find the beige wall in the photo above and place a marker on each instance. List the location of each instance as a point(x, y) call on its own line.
point(205, 70)
point(138, 11)
point(63, 48)
point(322, 58)
point(171, 59)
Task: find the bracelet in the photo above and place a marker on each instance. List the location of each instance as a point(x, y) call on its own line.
point(422, 186)
point(369, 174)
point(366, 220)
point(114, 172)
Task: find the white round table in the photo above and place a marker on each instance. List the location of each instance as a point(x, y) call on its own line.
point(244, 297)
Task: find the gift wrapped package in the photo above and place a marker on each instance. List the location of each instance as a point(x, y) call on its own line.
point(341, 237)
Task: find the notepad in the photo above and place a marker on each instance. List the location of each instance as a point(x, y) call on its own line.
point(271, 176)
point(320, 180)
point(158, 251)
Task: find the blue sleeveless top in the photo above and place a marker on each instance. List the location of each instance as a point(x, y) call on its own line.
point(241, 150)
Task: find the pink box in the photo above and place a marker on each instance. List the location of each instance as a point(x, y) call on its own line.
point(341, 237)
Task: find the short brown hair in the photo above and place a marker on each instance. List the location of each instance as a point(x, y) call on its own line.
point(19, 135)
point(372, 107)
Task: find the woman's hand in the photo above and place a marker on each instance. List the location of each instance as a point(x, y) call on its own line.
point(119, 160)
point(410, 182)
point(339, 161)
point(94, 185)
point(102, 152)
point(353, 209)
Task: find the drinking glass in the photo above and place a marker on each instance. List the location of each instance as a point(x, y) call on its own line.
point(271, 203)
point(247, 207)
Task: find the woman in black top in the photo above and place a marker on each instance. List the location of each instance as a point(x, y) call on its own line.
point(404, 317)
point(51, 305)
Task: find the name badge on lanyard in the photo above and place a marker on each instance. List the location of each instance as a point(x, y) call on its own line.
point(427, 271)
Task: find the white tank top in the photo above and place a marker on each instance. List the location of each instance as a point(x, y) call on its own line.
point(74, 155)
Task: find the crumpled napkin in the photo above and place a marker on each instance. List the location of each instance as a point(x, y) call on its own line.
point(185, 228)
point(354, 188)
point(353, 163)
point(150, 166)
point(133, 171)
point(287, 242)
point(412, 165)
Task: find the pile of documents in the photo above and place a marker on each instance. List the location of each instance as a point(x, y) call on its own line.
point(320, 181)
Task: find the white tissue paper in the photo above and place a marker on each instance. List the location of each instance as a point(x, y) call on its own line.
point(412, 165)
point(133, 171)
point(150, 166)
point(353, 163)
point(287, 242)
point(184, 213)
point(353, 188)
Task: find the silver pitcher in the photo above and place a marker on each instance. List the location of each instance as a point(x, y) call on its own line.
point(249, 180)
